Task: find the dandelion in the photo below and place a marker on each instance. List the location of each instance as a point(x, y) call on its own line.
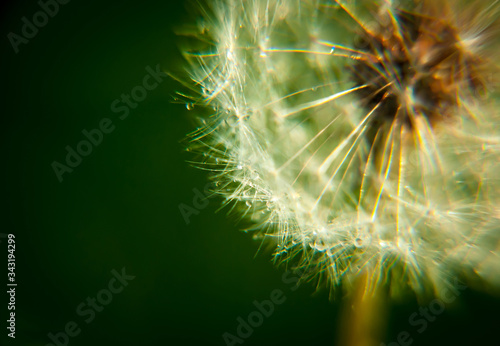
point(361, 138)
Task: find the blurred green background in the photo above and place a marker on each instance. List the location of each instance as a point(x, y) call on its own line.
point(120, 207)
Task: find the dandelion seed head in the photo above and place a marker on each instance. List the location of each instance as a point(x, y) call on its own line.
point(353, 138)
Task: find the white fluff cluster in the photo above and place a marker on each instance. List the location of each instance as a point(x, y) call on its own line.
point(292, 149)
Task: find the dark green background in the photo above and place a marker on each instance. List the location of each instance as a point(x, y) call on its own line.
point(119, 208)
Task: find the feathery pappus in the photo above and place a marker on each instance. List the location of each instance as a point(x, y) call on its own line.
point(358, 137)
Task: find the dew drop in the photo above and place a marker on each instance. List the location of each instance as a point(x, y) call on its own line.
point(189, 106)
point(358, 242)
point(320, 246)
